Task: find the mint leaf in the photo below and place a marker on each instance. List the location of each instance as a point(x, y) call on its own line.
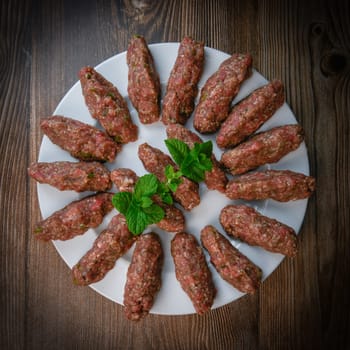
point(163, 192)
point(167, 198)
point(188, 163)
point(171, 174)
point(154, 213)
point(193, 173)
point(204, 162)
point(174, 184)
point(205, 148)
point(178, 150)
point(121, 201)
point(146, 186)
point(139, 218)
point(136, 219)
point(146, 202)
point(162, 188)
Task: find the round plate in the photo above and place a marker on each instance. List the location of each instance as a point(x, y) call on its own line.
point(171, 299)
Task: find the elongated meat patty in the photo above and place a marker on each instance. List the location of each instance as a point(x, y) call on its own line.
point(219, 91)
point(192, 271)
point(109, 246)
point(215, 179)
point(72, 176)
point(233, 266)
point(178, 103)
point(155, 161)
point(107, 105)
point(266, 147)
point(81, 140)
point(173, 221)
point(248, 225)
point(143, 277)
point(249, 114)
point(280, 185)
point(143, 80)
point(75, 218)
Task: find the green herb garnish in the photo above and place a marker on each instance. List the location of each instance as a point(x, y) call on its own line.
point(193, 163)
point(139, 208)
point(173, 178)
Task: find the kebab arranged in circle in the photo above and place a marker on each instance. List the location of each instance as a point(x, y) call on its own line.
point(171, 184)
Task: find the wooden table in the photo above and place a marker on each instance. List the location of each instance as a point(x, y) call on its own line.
point(305, 302)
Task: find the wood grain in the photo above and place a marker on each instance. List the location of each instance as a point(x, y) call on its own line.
point(14, 139)
point(304, 304)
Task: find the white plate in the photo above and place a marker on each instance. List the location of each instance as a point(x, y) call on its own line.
point(171, 299)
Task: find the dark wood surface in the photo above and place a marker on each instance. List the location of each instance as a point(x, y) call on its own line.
point(305, 303)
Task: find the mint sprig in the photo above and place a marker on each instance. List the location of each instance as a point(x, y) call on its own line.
point(138, 207)
point(193, 163)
